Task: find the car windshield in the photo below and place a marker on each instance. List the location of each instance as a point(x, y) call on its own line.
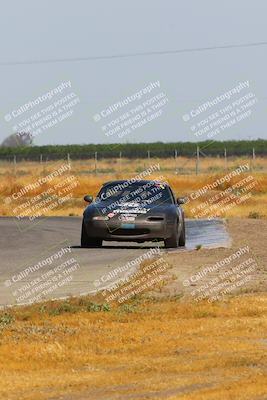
point(126, 192)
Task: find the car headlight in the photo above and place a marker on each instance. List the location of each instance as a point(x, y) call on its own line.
point(100, 218)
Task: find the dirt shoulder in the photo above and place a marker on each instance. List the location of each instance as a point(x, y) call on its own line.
point(249, 236)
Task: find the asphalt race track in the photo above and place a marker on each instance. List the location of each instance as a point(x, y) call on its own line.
point(31, 253)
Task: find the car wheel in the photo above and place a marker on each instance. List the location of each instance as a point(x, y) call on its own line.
point(86, 241)
point(173, 241)
point(182, 236)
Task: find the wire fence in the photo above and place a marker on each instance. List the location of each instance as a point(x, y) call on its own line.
point(98, 163)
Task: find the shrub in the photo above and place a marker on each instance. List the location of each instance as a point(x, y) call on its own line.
point(6, 319)
point(94, 307)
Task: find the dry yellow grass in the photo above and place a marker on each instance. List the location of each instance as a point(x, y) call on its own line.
point(165, 349)
point(184, 182)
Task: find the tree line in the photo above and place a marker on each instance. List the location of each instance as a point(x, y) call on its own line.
point(138, 150)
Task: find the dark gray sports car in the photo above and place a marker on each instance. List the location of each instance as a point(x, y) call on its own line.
point(135, 211)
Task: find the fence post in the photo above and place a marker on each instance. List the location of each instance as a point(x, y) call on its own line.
point(120, 161)
point(15, 164)
point(225, 159)
point(175, 160)
point(95, 162)
point(253, 159)
point(197, 161)
point(148, 155)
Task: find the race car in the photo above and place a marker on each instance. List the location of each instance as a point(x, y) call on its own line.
point(133, 211)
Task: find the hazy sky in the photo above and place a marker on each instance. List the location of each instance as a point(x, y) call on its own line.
point(57, 30)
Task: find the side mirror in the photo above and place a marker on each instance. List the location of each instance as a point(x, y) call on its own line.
point(88, 198)
point(181, 200)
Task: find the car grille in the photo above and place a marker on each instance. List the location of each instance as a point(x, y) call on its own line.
point(155, 218)
point(129, 232)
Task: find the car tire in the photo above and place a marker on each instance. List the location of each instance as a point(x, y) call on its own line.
point(173, 241)
point(86, 241)
point(182, 236)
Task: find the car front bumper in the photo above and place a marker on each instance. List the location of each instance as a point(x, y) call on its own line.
point(137, 231)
